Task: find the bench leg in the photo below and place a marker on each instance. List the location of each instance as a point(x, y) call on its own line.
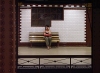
point(57, 44)
point(31, 44)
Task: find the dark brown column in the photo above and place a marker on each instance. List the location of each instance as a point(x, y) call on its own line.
point(88, 26)
point(19, 26)
point(7, 36)
point(96, 36)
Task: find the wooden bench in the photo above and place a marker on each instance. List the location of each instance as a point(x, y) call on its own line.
point(35, 37)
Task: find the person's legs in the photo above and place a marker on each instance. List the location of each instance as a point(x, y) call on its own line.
point(47, 41)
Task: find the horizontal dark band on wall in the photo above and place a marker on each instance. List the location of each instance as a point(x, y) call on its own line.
point(72, 44)
point(54, 56)
point(75, 8)
point(54, 44)
point(56, 1)
point(80, 8)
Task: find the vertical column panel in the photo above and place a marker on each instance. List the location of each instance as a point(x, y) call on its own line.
point(88, 26)
point(7, 33)
point(96, 39)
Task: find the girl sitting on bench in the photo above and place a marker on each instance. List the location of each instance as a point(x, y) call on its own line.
point(47, 34)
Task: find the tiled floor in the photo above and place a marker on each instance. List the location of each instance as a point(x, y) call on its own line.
point(54, 51)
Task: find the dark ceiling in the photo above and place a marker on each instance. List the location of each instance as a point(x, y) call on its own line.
point(55, 1)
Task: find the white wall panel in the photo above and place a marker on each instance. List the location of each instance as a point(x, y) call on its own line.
point(71, 29)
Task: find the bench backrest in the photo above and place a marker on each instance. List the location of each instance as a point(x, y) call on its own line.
point(42, 34)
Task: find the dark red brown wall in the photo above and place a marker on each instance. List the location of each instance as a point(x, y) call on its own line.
point(7, 36)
